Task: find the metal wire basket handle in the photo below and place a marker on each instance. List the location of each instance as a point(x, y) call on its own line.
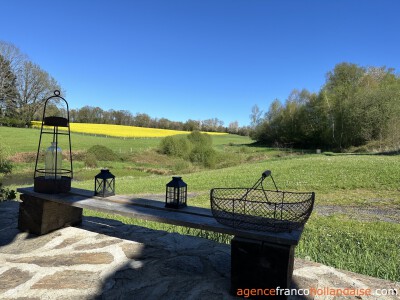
point(265, 174)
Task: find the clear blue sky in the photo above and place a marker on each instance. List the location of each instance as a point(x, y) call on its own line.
point(201, 59)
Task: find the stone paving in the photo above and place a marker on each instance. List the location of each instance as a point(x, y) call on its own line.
point(105, 259)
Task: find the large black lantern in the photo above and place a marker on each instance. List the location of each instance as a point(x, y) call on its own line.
point(104, 183)
point(53, 170)
point(176, 194)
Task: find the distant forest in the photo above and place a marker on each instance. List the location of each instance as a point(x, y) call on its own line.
point(356, 106)
point(89, 114)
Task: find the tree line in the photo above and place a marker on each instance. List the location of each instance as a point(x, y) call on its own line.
point(356, 106)
point(90, 114)
point(24, 86)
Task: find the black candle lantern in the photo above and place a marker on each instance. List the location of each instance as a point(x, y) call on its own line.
point(176, 194)
point(104, 184)
point(53, 172)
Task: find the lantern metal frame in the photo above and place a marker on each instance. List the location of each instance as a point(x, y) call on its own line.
point(104, 183)
point(50, 125)
point(176, 193)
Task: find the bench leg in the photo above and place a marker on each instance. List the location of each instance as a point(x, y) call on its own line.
point(40, 216)
point(260, 265)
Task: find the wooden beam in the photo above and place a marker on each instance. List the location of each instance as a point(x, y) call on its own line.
point(153, 210)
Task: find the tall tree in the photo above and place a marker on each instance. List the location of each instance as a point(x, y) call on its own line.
point(34, 87)
point(8, 89)
point(233, 127)
point(32, 84)
point(255, 116)
point(341, 86)
point(141, 120)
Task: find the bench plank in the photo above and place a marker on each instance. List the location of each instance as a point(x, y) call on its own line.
point(154, 210)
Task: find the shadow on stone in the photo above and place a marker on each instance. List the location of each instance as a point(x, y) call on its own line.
point(8, 223)
point(164, 265)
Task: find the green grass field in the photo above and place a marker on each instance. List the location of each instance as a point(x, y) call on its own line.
point(26, 140)
point(348, 181)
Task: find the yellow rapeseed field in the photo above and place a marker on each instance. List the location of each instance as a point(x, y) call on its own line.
point(121, 130)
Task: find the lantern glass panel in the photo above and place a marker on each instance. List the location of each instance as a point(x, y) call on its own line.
point(53, 162)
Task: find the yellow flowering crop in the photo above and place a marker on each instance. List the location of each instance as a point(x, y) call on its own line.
point(121, 130)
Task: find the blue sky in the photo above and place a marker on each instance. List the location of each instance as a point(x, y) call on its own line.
point(184, 59)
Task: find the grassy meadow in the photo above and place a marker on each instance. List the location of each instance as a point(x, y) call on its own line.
point(341, 239)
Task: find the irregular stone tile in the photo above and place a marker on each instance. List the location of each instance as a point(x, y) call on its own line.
point(140, 251)
point(150, 290)
point(68, 242)
point(299, 282)
point(97, 245)
point(146, 237)
point(123, 281)
point(221, 262)
point(26, 298)
point(68, 279)
point(303, 263)
point(212, 295)
point(178, 242)
point(182, 265)
point(12, 278)
point(68, 259)
point(7, 236)
point(133, 250)
point(373, 282)
point(26, 243)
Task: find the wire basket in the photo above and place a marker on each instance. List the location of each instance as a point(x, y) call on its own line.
point(259, 209)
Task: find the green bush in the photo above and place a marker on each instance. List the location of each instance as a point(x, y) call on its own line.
point(6, 194)
point(205, 155)
point(12, 122)
point(178, 146)
point(198, 138)
point(196, 147)
point(102, 153)
point(90, 160)
point(5, 164)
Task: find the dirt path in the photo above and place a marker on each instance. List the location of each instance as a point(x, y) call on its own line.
point(391, 215)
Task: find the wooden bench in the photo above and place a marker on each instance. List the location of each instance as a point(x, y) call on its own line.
point(258, 259)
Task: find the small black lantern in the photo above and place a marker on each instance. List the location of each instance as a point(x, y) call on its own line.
point(53, 173)
point(104, 184)
point(176, 194)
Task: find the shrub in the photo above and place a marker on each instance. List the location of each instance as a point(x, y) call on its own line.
point(205, 155)
point(90, 160)
point(13, 122)
point(197, 147)
point(5, 164)
point(6, 194)
point(178, 146)
point(198, 138)
point(102, 153)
